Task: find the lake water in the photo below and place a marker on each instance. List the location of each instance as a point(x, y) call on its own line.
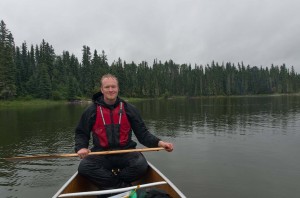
point(224, 147)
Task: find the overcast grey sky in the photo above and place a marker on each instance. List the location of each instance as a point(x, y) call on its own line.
point(257, 32)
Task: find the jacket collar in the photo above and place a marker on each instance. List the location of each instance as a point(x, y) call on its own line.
point(98, 99)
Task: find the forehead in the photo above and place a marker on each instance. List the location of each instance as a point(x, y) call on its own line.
point(109, 81)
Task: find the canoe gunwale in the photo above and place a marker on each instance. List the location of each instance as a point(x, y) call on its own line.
point(65, 185)
point(166, 181)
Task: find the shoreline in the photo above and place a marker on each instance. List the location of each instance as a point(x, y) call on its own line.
point(39, 102)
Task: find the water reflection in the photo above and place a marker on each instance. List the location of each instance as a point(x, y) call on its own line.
point(219, 115)
point(231, 142)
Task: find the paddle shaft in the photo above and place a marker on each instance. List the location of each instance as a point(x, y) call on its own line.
point(36, 157)
point(118, 190)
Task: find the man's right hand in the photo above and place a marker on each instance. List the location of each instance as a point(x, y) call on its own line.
point(82, 153)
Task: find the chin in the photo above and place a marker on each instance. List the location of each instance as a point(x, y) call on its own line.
point(112, 98)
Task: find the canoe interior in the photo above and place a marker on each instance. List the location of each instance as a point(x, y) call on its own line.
point(81, 184)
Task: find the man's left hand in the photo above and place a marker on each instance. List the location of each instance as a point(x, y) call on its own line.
point(166, 145)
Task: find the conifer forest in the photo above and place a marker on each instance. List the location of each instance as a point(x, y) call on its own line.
point(29, 71)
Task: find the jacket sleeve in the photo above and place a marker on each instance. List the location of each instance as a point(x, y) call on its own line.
point(82, 131)
point(139, 128)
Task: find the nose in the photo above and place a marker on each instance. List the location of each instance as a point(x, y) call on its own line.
point(111, 89)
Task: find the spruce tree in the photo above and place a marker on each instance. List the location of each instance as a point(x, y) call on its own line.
point(7, 64)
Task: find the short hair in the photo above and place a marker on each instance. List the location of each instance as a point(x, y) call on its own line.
point(108, 76)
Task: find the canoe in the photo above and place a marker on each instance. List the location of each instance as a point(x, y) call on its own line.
point(78, 186)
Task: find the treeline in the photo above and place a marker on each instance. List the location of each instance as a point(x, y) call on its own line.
point(37, 72)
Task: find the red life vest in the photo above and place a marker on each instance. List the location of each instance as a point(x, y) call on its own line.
point(112, 126)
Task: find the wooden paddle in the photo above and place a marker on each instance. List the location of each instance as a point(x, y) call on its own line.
point(51, 156)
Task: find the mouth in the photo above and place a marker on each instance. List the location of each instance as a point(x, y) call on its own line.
point(112, 94)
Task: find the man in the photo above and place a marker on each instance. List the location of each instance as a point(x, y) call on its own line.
point(111, 121)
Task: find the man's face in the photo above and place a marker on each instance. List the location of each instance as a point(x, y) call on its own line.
point(110, 90)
